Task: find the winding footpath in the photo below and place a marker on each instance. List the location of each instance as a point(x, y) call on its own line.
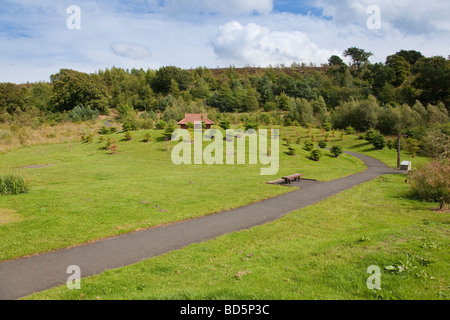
point(24, 276)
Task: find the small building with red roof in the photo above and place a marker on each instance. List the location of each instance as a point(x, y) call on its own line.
point(196, 117)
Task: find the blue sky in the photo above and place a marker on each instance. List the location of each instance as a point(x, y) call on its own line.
point(35, 41)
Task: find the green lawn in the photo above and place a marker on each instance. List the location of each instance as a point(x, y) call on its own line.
point(89, 194)
point(320, 252)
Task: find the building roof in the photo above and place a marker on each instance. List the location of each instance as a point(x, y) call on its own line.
point(196, 117)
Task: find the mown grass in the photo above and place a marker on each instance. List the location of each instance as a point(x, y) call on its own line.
point(320, 252)
point(89, 194)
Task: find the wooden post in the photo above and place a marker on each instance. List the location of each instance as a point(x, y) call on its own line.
point(399, 148)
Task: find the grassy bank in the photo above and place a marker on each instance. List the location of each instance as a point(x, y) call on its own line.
point(88, 194)
point(320, 252)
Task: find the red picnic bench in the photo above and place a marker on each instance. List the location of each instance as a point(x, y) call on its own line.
point(293, 177)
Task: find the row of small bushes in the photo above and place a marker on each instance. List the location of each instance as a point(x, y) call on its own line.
point(316, 154)
point(13, 184)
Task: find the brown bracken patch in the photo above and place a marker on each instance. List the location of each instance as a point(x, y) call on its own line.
point(9, 216)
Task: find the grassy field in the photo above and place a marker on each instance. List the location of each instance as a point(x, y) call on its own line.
point(320, 252)
point(89, 194)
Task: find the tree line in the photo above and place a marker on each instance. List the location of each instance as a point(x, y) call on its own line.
point(409, 90)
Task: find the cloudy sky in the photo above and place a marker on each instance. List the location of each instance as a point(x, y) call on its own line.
point(37, 38)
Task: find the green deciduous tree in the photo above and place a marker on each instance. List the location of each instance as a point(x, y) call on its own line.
point(401, 68)
point(11, 98)
point(411, 56)
point(72, 88)
point(433, 78)
point(162, 80)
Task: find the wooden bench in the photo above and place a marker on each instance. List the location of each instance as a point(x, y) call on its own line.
point(293, 177)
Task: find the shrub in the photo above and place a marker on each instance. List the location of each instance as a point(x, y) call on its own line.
point(161, 125)
point(391, 144)
point(13, 184)
point(148, 137)
point(128, 136)
point(225, 124)
point(322, 144)
point(287, 140)
point(436, 143)
point(350, 130)
point(287, 122)
point(251, 124)
point(370, 134)
point(378, 141)
point(168, 132)
point(105, 130)
point(81, 113)
point(145, 124)
point(309, 145)
point(109, 143)
point(430, 182)
point(336, 151)
point(315, 155)
point(87, 139)
point(412, 146)
point(113, 148)
point(128, 127)
point(327, 126)
point(291, 151)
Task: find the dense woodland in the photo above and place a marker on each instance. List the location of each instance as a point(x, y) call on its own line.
point(407, 93)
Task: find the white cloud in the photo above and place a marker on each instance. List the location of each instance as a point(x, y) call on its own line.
point(129, 50)
point(221, 7)
point(35, 40)
point(257, 45)
point(408, 16)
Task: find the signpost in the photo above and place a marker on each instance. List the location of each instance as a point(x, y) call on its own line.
point(400, 136)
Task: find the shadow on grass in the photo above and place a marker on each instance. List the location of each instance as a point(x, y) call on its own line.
point(160, 139)
point(356, 146)
point(329, 155)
